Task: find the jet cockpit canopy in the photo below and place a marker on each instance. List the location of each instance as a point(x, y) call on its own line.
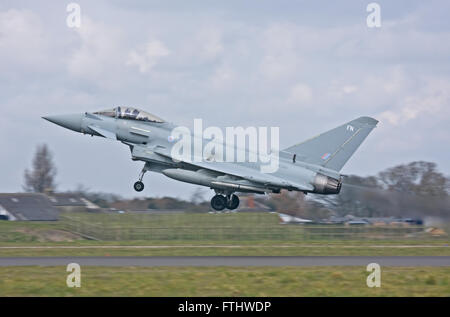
point(130, 114)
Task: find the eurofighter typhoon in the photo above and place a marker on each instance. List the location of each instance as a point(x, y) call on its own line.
point(311, 166)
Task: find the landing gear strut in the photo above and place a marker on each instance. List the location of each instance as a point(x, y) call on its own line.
point(139, 185)
point(220, 202)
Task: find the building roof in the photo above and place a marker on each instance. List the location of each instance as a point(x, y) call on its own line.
point(66, 199)
point(28, 206)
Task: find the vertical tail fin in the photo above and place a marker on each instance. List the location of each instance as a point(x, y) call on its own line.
point(334, 148)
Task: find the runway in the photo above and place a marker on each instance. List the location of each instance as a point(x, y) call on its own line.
point(149, 261)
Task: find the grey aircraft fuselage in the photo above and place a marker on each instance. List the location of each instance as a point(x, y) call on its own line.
point(312, 166)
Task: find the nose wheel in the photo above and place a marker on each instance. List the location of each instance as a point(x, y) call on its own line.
point(220, 202)
point(139, 185)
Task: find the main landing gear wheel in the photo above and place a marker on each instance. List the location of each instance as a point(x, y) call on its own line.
point(138, 186)
point(218, 202)
point(232, 202)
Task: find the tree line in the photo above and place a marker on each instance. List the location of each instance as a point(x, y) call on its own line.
point(416, 189)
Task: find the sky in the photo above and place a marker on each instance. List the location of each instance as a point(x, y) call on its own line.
point(302, 66)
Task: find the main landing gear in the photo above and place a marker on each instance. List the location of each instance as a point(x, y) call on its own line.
point(139, 185)
point(220, 202)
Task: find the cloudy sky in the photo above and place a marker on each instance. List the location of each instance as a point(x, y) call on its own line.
point(304, 66)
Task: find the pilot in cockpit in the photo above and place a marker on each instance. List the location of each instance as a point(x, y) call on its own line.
point(130, 114)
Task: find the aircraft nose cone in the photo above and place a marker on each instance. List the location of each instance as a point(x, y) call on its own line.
point(68, 121)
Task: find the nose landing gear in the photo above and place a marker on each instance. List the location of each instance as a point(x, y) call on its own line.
point(220, 202)
point(139, 185)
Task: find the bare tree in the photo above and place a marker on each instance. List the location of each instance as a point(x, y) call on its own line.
point(421, 178)
point(197, 196)
point(415, 189)
point(353, 198)
point(292, 203)
point(42, 175)
point(295, 204)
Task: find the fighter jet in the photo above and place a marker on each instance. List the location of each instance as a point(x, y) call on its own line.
point(312, 166)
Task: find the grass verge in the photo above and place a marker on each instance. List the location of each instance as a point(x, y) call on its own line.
point(274, 249)
point(224, 281)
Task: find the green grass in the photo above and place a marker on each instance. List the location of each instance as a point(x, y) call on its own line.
point(198, 227)
point(208, 234)
point(229, 226)
point(224, 281)
point(252, 243)
point(222, 250)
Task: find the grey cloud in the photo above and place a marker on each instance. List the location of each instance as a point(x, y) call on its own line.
point(230, 63)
